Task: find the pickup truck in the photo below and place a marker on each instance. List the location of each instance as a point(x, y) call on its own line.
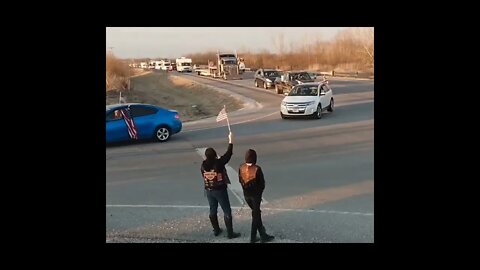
point(290, 79)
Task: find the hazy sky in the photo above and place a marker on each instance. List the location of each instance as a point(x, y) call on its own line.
point(173, 42)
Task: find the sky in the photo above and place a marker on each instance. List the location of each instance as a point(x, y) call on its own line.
point(174, 42)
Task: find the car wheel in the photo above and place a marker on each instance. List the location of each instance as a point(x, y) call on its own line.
point(256, 83)
point(162, 134)
point(318, 113)
point(265, 85)
point(277, 89)
point(331, 106)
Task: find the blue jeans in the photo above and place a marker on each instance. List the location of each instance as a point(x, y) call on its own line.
point(219, 196)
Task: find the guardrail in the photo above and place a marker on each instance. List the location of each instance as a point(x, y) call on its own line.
point(365, 75)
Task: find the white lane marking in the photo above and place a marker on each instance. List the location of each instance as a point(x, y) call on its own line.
point(238, 207)
point(235, 186)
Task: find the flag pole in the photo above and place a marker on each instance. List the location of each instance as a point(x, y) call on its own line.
point(228, 122)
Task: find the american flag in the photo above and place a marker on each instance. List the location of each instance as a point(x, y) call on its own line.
point(132, 129)
point(222, 115)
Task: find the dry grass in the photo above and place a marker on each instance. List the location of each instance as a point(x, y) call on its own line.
point(117, 74)
point(180, 81)
point(192, 101)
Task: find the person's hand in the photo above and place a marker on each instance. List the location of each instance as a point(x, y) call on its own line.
point(230, 137)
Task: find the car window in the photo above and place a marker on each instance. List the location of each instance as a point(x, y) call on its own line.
point(141, 111)
point(303, 90)
point(114, 115)
point(304, 76)
point(271, 74)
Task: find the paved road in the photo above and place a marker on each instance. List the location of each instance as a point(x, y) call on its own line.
point(319, 173)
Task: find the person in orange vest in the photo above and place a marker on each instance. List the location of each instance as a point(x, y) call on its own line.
point(253, 183)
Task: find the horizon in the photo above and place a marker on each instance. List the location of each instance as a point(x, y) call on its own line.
point(175, 42)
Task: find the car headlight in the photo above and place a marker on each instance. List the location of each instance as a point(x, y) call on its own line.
point(268, 80)
point(310, 103)
point(284, 103)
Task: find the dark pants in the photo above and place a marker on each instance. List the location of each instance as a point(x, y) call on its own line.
point(254, 202)
point(219, 196)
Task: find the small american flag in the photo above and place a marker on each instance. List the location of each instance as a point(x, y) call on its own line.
point(222, 115)
point(132, 129)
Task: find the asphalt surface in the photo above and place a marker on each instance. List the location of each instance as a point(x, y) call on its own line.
point(319, 173)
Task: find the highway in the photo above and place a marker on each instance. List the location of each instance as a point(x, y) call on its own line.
point(319, 173)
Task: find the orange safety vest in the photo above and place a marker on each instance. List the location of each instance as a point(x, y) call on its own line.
point(247, 173)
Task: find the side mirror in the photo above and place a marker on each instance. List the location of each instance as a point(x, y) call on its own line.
point(322, 93)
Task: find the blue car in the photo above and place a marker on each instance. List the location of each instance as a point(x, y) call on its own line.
point(151, 122)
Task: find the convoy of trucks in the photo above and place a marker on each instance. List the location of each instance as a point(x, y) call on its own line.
point(227, 66)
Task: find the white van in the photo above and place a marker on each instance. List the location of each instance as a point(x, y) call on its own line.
point(166, 65)
point(184, 64)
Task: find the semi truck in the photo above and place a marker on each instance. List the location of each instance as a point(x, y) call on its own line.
point(226, 67)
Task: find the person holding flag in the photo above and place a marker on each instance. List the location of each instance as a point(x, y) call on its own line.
point(215, 182)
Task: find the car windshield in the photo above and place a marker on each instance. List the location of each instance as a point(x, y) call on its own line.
point(304, 91)
point(271, 74)
point(230, 62)
point(301, 76)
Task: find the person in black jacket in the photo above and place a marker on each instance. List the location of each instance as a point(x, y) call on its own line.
point(216, 179)
point(253, 183)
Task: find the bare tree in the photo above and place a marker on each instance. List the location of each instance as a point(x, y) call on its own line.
point(365, 35)
point(279, 43)
point(352, 49)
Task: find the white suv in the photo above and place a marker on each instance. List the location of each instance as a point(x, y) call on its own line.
point(307, 99)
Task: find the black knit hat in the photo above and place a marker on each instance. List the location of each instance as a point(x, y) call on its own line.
point(210, 154)
point(251, 156)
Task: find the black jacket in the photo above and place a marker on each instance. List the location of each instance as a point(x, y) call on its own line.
point(218, 165)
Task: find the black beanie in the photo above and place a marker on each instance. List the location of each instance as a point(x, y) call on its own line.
point(210, 154)
point(251, 156)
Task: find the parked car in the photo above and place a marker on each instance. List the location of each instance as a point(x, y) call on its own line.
point(266, 78)
point(290, 79)
point(152, 122)
point(308, 99)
